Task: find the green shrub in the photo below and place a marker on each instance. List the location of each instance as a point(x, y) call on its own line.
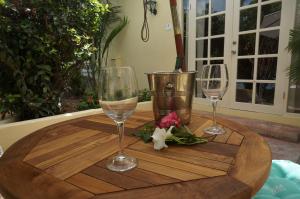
point(88, 102)
point(144, 95)
point(42, 45)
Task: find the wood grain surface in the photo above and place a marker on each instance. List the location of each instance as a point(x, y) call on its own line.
point(68, 160)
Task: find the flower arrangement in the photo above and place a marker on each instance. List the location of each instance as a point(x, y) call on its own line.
point(168, 130)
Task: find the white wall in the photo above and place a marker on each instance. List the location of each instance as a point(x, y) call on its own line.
point(159, 54)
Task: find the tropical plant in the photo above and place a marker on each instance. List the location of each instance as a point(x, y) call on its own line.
point(89, 101)
point(42, 44)
point(294, 48)
point(144, 95)
point(111, 25)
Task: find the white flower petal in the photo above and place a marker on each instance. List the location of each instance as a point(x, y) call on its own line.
point(159, 137)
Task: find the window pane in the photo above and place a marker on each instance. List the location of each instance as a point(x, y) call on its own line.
point(202, 7)
point(248, 19)
point(244, 92)
point(270, 15)
point(247, 44)
point(266, 68)
point(218, 25)
point(217, 47)
point(216, 61)
point(247, 2)
point(245, 69)
point(199, 67)
point(202, 27)
point(201, 48)
point(265, 93)
point(268, 42)
point(218, 6)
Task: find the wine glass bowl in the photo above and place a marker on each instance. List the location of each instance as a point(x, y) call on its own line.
point(118, 97)
point(214, 84)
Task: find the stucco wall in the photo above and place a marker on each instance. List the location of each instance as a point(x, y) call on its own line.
point(298, 14)
point(159, 54)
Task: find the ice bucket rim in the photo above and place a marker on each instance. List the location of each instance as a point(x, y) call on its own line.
point(170, 73)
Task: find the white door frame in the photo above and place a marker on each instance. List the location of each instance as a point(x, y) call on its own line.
point(231, 28)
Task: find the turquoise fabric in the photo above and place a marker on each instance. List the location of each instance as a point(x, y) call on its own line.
point(283, 182)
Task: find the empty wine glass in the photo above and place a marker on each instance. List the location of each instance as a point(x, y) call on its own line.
point(1, 152)
point(118, 97)
point(214, 84)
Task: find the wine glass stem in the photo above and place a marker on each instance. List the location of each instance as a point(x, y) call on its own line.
point(214, 105)
point(120, 126)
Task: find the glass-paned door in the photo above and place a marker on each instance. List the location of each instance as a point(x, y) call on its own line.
point(210, 30)
point(250, 36)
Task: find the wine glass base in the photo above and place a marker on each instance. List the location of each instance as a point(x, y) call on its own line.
point(214, 130)
point(121, 163)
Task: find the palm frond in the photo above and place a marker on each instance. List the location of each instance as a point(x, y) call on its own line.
point(294, 48)
point(294, 41)
point(114, 33)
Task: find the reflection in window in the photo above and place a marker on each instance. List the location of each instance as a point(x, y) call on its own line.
point(201, 48)
point(247, 44)
point(216, 61)
point(218, 6)
point(270, 15)
point(248, 19)
point(266, 68)
point(244, 92)
point(217, 47)
point(245, 69)
point(199, 67)
point(265, 93)
point(268, 42)
point(202, 7)
point(202, 27)
point(218, 24)
point(247, 2)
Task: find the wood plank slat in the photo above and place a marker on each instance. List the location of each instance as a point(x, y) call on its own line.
point(187, 154)
point(168, 171)
point(185, 166)
point(108, 128)
point(76, 164)
point(235, 139)
point(60, 143)
point(130, 123)
point(143, 175)
point(47, 160)
point(114, 178)
point(223, 187)
point(222, 138)
point(27, 182)
point(199, 131)
point(217, 148)
point(91, 184)
point(59, 132)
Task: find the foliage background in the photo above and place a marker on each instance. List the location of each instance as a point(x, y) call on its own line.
point(44, 45)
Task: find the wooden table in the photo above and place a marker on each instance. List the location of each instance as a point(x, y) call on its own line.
point(67, 161)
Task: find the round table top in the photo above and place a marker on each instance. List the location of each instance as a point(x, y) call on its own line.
point(67, 160)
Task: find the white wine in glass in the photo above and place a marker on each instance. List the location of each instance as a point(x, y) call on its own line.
point(118, 97)
point(214, 84)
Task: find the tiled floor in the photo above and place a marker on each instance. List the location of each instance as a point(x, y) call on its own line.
point(283, 150)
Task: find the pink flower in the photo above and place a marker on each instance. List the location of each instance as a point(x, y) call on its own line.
point(169, 120)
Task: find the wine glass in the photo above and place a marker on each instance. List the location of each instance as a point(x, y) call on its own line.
point(118, 97)
point(1, 153)
point(214, 84)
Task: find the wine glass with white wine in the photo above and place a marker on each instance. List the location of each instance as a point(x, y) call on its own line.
point(118, 97)
point(214, 84)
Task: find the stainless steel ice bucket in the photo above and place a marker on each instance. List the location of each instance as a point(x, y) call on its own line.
point(172, 91)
